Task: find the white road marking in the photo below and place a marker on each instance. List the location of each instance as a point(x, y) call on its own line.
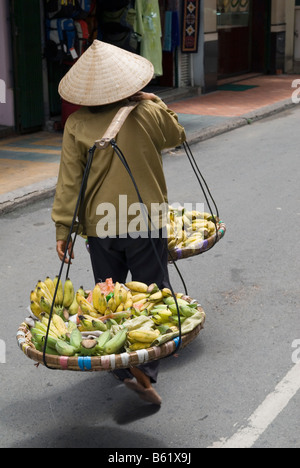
point(266, 413)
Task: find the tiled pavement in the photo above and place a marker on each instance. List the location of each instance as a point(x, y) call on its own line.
point(30, 161)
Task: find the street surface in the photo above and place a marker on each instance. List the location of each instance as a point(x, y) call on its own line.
point(237, 382)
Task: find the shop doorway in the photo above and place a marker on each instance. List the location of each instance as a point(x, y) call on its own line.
point(244, 36)
point(27, 65)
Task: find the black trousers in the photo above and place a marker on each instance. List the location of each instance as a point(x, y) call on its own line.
point(115, 258)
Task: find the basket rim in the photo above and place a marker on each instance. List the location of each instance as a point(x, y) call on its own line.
point(108, 362)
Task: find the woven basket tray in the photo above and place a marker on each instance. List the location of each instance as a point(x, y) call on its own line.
point(200, 248)
point(104, 363)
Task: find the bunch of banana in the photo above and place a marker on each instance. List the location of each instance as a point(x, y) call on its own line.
point(58, 332)
point(65, 305)
point(188, 228)
point(141, 338)
point(120, 300)
point(166, 313)
point(145, 297)
point(89, 323)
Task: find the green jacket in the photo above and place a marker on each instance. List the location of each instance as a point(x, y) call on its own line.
point(149, 129)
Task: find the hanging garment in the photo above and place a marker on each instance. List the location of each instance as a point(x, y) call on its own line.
point(148, 25)
point(172, 35)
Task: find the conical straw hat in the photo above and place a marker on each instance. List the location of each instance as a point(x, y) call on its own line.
point(105, 74)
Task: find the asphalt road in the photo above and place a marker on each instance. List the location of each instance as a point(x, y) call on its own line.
point(248, 285)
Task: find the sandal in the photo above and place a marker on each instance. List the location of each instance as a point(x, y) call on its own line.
point(146, 394)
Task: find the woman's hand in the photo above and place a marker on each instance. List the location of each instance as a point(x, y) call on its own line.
point(61, 248)
point(141, 96)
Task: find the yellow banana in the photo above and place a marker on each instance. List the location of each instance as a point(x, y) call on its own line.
point(85, 306)
point(137, 286)
point(44, 287)
point(124, 294)
point(60, 292)
point(42, 293)
point(211, 227)
point(120, 307)
point(137, 346)
point(33, 296)
point(112, 305)
point(138, 297)
point(128, 304)
point(165, 315)
point(166, 292)
point(96, 297)
point(69, 293)
point(36, 309)
point(59, 324)
point(102, 304)
point(143, 335)
point(53, 329)
point(156, 296)
point(117, 296)
point(45, 305)
point(50, 285)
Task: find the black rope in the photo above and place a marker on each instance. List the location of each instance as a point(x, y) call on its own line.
point(78, 209)
point(203, 184)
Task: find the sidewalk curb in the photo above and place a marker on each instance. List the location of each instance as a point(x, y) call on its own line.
point(238, 122)
point(46, 189)
point(24, 196)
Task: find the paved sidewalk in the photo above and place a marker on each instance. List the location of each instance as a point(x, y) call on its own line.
point(29, 164)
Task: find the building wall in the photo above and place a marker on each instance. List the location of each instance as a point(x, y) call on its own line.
point(6, 75)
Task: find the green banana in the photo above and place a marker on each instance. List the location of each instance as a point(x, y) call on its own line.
point(81, 292)
point(114, 345)
point(74, 307)
point(71, 326)
point(163, 329)
point(99, 325)
point(69, 293)
point(171, 301)
point(102, 341)
point(187, 311)
point(40, 338)
point(175, 319)
point(76, 339)
point(51, 351)
point(65, 349)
